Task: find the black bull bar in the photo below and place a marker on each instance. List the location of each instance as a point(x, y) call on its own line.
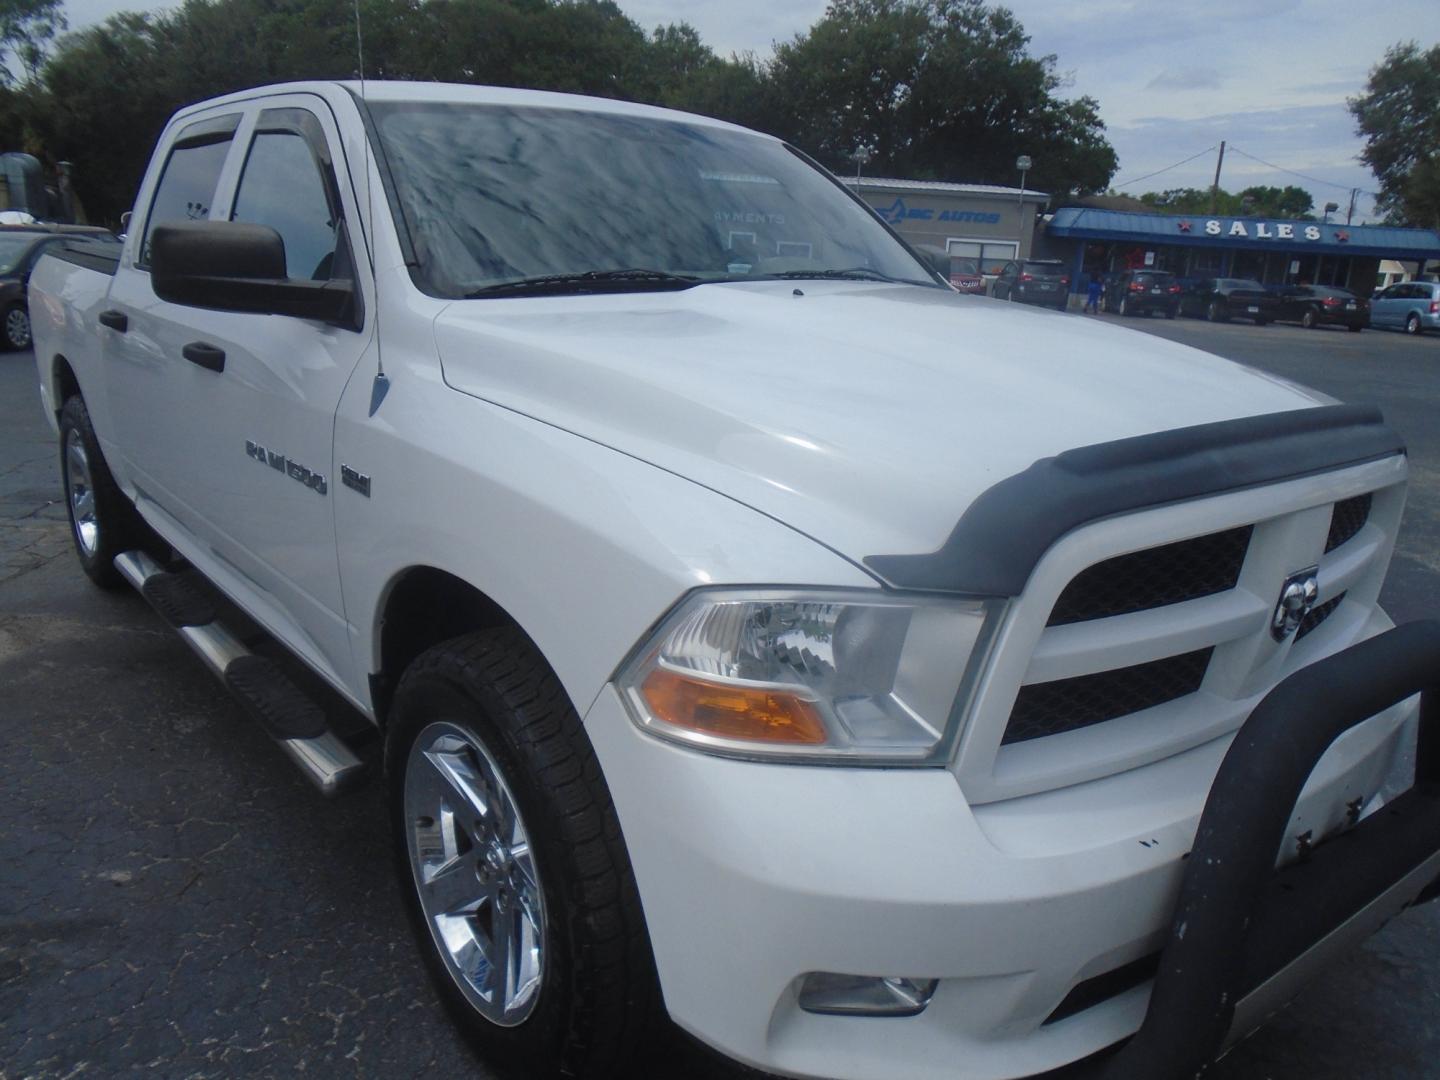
point(1239, 921)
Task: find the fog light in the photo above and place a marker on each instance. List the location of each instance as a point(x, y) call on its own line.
point(864, 995)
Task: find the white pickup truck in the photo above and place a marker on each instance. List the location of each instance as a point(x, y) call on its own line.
point(874, 680)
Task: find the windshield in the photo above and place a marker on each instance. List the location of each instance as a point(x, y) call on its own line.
point(496, 194)
point(13, 250)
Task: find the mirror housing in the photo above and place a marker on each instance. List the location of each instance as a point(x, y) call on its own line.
point(236, 266)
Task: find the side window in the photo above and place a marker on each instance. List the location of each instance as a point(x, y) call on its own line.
point(191, 175)
point(287, 186)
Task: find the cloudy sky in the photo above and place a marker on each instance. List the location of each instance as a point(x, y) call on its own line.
point(1173, 78)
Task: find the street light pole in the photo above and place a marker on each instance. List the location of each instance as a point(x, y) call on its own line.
point(862, 157)
point(1022, 163)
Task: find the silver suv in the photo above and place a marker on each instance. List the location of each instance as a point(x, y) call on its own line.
point(1412, 306)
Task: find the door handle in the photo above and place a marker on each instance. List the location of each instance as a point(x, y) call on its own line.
point(115, 320)
point(207, 356)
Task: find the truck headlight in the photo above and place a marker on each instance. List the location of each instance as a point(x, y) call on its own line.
point(851, 676)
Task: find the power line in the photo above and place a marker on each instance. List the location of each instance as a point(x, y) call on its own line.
point(1157, 172)
point(1303, 176)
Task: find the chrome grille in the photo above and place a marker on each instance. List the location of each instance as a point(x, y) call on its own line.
point(1114, 640)
point(1051, 708)
point(1317, 615)
point(1347, 518)
point(1142, 580)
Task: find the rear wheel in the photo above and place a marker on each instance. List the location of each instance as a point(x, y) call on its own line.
point(16, 327)
point(514, 871)
point(1215, 313)
point(103, 523)
point(1124, 305)
point(1310, 319)
point(1412, 325)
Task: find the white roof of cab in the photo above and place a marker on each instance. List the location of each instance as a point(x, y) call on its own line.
point(462, 93)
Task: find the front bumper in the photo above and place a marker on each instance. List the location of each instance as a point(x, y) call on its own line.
point(753, 874)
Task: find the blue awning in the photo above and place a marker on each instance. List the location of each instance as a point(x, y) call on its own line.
point(1251, 234)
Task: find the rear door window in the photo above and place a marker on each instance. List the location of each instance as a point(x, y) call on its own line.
point(191, 176)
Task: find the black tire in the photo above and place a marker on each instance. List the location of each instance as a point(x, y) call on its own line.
point(15, 328)
point(1170, 312)
point(1355, 329)
point(1262, 322)
point(1412, 325)
point(1215, 312)
point(1310, 320)
point(1124, 305)
point(109, 524)
point(598, 999)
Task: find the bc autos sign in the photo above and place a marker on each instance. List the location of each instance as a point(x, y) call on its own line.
point(898, 211)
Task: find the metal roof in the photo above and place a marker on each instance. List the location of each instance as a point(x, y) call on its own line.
point(941, 187)
point(1254, 234)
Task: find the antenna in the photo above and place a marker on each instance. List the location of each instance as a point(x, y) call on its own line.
point(381, 386)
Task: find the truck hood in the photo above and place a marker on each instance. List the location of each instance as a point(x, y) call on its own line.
point(866, 416)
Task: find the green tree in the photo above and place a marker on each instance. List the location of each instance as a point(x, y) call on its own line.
point(1258, 201)
point(1291, 201)
point(936, 88)
point(1399, 118)
point(27, 30)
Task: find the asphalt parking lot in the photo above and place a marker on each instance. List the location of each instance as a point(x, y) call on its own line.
point(176, 901)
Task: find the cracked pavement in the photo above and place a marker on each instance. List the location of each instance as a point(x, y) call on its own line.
point(176, 901)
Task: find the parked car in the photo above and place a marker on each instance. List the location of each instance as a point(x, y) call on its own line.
point(965, 275)
point(876, 682)
point(20, 248)
point(1412, 306)
point(1222, 299)
point(1321, 305)
point(1139, 292)
point(1033, 281)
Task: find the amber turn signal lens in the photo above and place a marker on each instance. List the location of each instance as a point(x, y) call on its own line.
point(731, 712)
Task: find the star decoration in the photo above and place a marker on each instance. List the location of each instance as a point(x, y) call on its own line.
point(1342, 236)
point(1184, 226)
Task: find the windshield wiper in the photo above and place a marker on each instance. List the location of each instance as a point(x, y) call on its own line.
point(589, 281)
point(854, 273)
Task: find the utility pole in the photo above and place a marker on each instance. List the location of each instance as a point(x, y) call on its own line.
point(1215, 187)
point(1354, 194)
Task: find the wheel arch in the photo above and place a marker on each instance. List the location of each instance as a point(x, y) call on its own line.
point(63, 382)
point(420, 607)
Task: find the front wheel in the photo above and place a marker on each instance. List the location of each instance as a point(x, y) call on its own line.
point(1412, 325)
point(16, 327)
point(514, 871)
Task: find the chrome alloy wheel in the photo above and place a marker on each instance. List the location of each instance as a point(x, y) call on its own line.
point(17, 327)
point(81, 491)
point(475, 874)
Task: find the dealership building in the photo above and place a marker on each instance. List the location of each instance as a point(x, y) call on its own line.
point(976, 221)
point(1273, 251)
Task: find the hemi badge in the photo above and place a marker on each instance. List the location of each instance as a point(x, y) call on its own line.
point(352, 479)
